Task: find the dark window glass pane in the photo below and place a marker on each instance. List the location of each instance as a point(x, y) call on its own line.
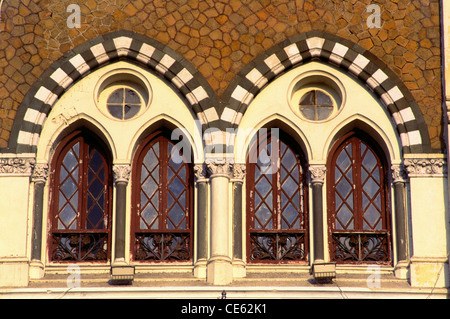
point(116, 111)
point(70, 161)
point(69, 187)
point(131, 110)
point(67, 216)
point(323, 112)
point(131, 97)
point(323, 98)
point(96, 161)
point(308, 98)
point(309, 112)
point(116, 97)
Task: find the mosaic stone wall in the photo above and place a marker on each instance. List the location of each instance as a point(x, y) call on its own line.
point(220, 37)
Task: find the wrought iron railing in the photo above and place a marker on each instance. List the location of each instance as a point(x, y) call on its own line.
point(168, 246)
point(269, 246)
point(360, 247)
point(79, 247)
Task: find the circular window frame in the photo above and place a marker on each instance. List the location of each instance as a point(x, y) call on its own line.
point(319, 81)
point(122, 78)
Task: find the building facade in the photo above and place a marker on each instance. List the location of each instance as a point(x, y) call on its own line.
point(223, 140)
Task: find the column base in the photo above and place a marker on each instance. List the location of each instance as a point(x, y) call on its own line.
point(401, 270)
point(200, 268)
point(429, 272)
point(37, 269)
point(219, 271)
point(239, 268)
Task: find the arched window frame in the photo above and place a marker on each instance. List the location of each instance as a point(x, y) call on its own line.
point(82, 244)
point(277, 236)
point(359, 246)
point(162, 236)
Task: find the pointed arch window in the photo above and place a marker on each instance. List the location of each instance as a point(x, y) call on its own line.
point(81, 200)
point(276, 196)
point(162, 202)
point(359, 224)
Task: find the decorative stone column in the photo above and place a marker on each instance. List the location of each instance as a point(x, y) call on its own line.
point(219, 270)
point(121, 175)
point(121, 271)
point(317, 180)
point(238, 260)
point(39, 178)
point(202, 220)
point(399, 180)
point(429, 219)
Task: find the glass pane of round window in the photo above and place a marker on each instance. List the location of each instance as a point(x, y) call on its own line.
point(316, 105)
point(123, 103)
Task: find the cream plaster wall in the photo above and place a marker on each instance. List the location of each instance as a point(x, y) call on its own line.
point(14, 226)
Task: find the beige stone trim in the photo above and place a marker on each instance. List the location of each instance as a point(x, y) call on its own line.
point(426, 167)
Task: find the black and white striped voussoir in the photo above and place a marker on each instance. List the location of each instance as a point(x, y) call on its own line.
point(294, 51)
point(85, 58)
point(346, 55)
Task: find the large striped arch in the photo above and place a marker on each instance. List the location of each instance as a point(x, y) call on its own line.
point(346, 55)
point(99, 51)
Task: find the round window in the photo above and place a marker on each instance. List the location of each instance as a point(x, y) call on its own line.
point(316, 105)
point(316, 96)
point(124, 103)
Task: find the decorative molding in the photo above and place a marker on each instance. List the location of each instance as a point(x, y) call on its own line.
point(239, 172)
point(40, 173)
point(398, 173)
point(219, 167)
point(317, 173)
point(426, 167)
point(16, 166)
point(121, 173)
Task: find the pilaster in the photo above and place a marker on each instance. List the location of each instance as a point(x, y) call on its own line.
point(398, 175)
point(201, 177)
point(429, 219)
point(239, 265)
point(15, 173)
point(39, 178)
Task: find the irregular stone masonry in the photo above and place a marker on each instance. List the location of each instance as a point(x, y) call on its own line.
point(220, 37)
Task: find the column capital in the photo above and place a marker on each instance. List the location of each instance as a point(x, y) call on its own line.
point(426, 167)
point(398, 173)
point(40, 173)
point(121, 173)
point(239, 172)
point(200, 173)
point(219, 167)
point(317, 172)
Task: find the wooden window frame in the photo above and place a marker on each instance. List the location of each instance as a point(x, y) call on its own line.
point(358, 237)
point(84, 234)
point(165, 234)
point(278, 234)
